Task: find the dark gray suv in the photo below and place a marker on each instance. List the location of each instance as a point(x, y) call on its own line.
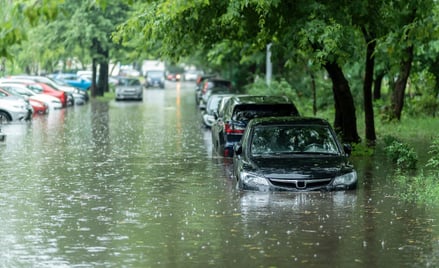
point(155, 78)
point(231, 122)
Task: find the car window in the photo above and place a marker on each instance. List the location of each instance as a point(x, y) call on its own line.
point(247, 112)
point(155, 74)
point(293, 139)
point(129, 82)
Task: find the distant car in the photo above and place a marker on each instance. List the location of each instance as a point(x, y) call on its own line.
point(292, 154)
point(155, 78)
point(129, 88)
point(208, 114)
point(199, 85)
point(173, 77)
point(74, 80)
point(14, 108)
point(230, 123)
point(209, 83)
point(192, 75)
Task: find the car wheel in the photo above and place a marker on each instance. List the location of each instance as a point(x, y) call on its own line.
point(4, 117)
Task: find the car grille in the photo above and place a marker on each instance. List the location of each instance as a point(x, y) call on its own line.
point(300, 184)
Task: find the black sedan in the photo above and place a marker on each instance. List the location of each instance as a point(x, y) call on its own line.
point(292, 154)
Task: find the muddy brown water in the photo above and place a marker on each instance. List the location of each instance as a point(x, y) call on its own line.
point(134, 184)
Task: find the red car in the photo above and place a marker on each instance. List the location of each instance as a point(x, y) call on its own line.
point(38, 106)
point(61, 95)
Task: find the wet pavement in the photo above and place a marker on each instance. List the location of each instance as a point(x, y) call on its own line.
point(134, 184)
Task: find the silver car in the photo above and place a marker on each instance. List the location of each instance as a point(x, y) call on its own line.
point(13, 108)
point(129, 88)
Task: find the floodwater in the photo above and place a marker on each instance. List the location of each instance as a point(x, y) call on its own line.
point(134, 184)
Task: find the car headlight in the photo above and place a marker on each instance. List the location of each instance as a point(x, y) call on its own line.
point(346, 179)
point(252, 179)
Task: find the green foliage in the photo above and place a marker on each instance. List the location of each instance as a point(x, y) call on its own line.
point(402, 154)
point(433, 161)
point(423, 187)
point(361, 149)
point(422, 98)
point(276, 88)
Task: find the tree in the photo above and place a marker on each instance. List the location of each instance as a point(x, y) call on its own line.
point(16, 17)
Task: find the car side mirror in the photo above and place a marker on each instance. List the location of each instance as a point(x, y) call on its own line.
point(347, 149)
point(237, 148)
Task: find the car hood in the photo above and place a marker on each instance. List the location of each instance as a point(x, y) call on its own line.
point(307, 167)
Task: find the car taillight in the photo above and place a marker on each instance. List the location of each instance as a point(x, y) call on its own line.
point(230, 129)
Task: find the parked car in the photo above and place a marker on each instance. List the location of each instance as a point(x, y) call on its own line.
point(231, 121)
point(292, 154)
point(51, 101)
point(208, 114)
point(208, 84)
point(129, 88)
point(39, 88)
point(73, 80)
point(210, 92)
point(14, 108)
point(74, 95)
point(45, 88)
point(199, 85)
point(38, 107)
point(155, 78)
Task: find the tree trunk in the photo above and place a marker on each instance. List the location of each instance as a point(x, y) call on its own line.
point(400, 85)
point(377, 85)
point(103, 77)
point(367, 91)
point(93, 78)
point(345, 119)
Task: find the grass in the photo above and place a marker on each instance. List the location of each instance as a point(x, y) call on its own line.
point(108, 96)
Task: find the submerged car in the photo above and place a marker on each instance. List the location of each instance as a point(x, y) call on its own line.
point(129, 88)
point(232, 119)
point(292, 154)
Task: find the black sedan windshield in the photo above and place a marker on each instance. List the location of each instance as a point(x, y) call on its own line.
point(293, 139)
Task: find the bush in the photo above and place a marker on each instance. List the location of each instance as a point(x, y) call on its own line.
point(434, 152)
point(400, 153)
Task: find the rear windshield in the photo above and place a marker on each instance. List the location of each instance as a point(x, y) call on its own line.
point(248, 112)
point(129, 82)
point(155, 74)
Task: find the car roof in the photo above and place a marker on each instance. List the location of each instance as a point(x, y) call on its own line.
point(287, 120)
point(259, 99)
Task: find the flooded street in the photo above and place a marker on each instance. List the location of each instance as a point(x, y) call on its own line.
point(134, 184)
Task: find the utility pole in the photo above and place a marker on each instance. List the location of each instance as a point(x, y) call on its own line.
point(269, 65)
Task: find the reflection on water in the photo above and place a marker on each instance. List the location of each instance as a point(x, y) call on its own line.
point(135, 184)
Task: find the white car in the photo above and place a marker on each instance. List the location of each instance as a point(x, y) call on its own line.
point(14, 108)
point(192, 75)
point(129, 88)
point(51, 101)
